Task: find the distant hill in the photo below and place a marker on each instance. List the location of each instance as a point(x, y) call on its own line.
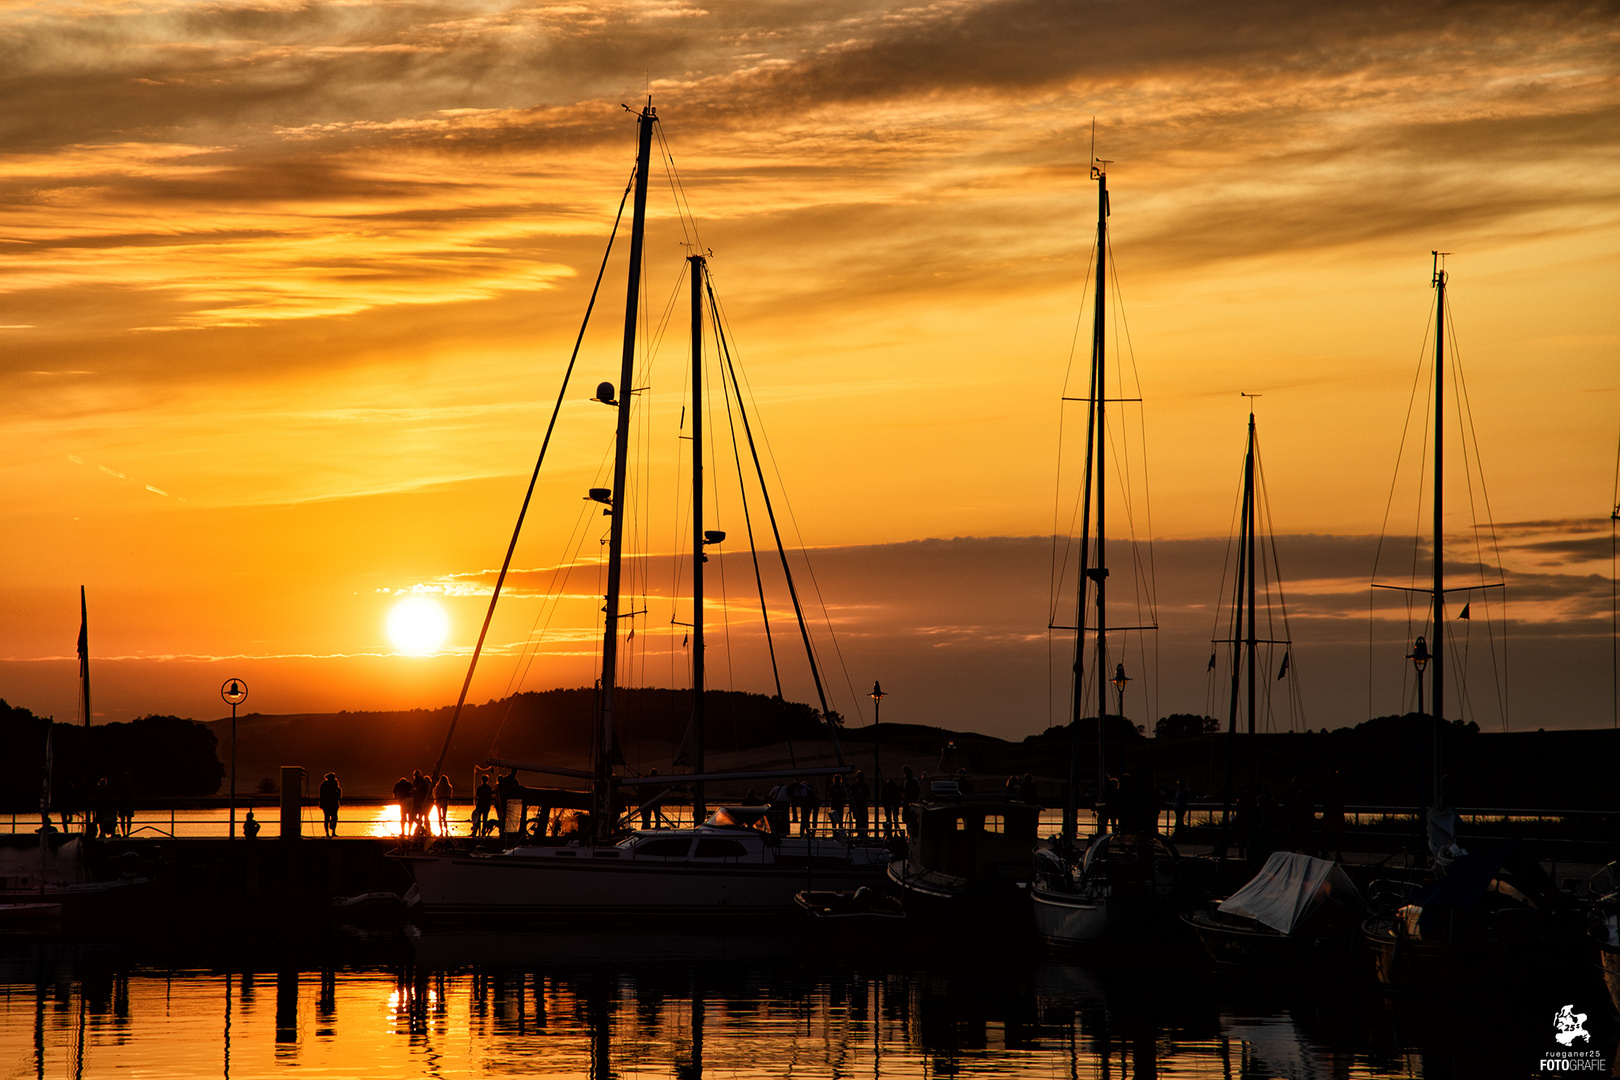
point(150, 756)
point(370, 750)
point(1382, 761)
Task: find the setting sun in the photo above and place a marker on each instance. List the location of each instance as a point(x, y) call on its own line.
point(417, 626)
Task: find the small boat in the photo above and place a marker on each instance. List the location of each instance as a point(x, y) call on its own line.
point(865, 907)
point(967, 859)
point(1126, 888)
point(1298, 914)
point(380, 908)
point(1492, 923)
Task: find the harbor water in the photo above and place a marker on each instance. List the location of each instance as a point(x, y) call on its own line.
point(757, 1004)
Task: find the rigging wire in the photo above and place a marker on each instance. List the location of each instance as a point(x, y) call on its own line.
point(1383, 528)
point(1143, 580)
point(793, 593)
point(529, 494)
point(1060, 560)
point(1465, 409)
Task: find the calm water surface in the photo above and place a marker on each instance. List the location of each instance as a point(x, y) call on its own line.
point(435, 1004)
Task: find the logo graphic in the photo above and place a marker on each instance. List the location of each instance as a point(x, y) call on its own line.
point(1569, 1025)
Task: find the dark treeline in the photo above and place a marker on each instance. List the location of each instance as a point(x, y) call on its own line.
point(163, 755)
point(369, 750)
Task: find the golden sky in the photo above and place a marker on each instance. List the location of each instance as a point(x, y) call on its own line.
point(288, 289)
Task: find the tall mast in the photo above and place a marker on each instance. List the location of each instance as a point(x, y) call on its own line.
point(603, 794)
point(699, 810)
point(1099, 572)
point(1245, 540)
point(84, 654)
point(1437, 683)
point(1248, 510)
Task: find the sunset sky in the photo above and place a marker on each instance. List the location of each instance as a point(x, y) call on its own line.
point(288, 291)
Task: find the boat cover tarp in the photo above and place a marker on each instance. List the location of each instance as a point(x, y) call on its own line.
point(1289, 889)
point(1470, 877)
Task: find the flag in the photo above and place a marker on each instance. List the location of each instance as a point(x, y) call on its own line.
point(1464, 614)
point(1284, 669)
point(1211, 662)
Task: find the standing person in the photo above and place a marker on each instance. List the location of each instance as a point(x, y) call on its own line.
point(441, 799)
point(647, 806)
point(330, 798)
point(421, 799)
point(891, 804)
point(812, 808)
point(402, 795)
point(910, 789)
point(250, 827)
point(1333, 817)
point(67, 804)
point(796, 803)
point(106, 817)
point(483, 799)
point(124, 794)
point(837, 795)
point(780, 800)
point(1180, 805)
point(860, 795)
point(507, 788)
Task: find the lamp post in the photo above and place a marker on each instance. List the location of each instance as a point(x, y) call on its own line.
point(1119, 680)
point(235, 692)
point(1420, 660)
point(877, 763)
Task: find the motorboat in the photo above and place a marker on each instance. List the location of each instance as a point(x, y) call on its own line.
point(967, 858)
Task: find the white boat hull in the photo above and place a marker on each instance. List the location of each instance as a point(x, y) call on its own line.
point(545, 883)
point(1069, 920)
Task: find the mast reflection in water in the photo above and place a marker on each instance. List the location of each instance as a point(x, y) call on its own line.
point(594, 1006)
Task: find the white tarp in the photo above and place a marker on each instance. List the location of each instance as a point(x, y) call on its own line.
point(1289, 888)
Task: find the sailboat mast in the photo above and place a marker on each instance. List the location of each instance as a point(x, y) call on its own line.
point(1248, 511)
point(1245, 539)
point(699, 265)
point(603, 794)
point(1437, 683)
point(1099, 572)
point(84, 654)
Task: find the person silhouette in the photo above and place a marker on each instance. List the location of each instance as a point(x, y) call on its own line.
point(483, 799)
point(331, 797)
point(441, 801)
point(250, 827)
point(402, 795)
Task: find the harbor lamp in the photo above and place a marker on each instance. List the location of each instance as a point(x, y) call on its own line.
point(234, 691)
point(1119, 681)
point(1420, 659)
point(877, 764)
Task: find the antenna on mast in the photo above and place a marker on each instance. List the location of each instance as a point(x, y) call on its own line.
point(1439, 273)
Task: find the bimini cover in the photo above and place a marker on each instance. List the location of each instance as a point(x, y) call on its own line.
point(1289, 888)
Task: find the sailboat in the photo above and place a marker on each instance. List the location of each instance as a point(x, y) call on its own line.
point(1122, 881)
point(730, 861)
point(1489, 921)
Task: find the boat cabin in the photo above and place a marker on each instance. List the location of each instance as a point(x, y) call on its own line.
point(973, 837)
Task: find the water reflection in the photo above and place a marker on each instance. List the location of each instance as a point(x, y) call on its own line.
point(742, 1005)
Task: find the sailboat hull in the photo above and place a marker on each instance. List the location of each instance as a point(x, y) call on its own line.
point(585, 882)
